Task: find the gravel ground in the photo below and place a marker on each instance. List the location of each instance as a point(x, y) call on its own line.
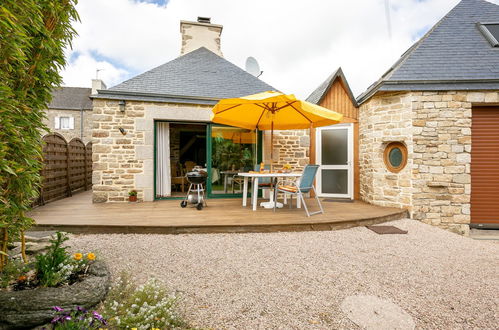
point(299, 280)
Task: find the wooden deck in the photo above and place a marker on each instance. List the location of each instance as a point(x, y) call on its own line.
point(77, 214)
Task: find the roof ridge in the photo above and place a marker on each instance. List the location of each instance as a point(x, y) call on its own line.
point(320, 92)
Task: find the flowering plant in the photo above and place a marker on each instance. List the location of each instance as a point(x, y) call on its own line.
point(141, 307)
point(56, 266)
point(80, 318)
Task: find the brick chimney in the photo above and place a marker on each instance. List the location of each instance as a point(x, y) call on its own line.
point(200, 34)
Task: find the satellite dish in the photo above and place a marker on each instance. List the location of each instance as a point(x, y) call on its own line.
point(252, 66)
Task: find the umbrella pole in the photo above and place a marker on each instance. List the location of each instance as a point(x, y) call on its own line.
point(271, 145)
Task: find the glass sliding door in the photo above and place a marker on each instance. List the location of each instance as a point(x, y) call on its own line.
point(230, 150)
point(335, 157)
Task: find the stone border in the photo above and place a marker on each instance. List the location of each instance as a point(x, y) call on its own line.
point(29, 308)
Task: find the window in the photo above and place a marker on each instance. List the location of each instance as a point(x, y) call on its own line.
point(491, 32)
point(395, 156)
point(65, 122)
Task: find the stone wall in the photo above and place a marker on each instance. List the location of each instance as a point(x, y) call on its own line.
point(385, 119)
point(125, 162)
point(290, 147)
point(71, 133)
point(438, 136)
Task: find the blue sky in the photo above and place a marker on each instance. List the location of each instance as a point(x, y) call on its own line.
point(298, 44)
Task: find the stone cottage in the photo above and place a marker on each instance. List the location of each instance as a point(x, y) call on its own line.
point(70, 111)
point(149, 130)
point(429, 127)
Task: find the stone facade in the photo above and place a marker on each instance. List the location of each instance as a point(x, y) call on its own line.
point(122, 163)
point(384, 119)
point(435, 186)
point(76, 132)
point(290, 147)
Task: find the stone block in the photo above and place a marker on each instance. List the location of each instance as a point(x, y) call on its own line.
point(475, 97)
point(99, 197)
point(462, 178)
point(144, 152)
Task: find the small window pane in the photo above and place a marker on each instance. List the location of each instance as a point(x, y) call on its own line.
point(334, 147)
point(64, 123)
point(334, 181)
point(395, 157)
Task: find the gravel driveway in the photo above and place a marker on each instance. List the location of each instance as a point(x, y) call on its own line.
point(299, 280)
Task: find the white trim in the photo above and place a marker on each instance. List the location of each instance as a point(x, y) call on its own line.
point(56, 123)
point(349, 167)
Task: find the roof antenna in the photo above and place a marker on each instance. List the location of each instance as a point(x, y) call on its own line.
point(97, 73)
point(389, 27)
point(388, 20)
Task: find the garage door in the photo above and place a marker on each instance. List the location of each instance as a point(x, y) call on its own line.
point(485, 166)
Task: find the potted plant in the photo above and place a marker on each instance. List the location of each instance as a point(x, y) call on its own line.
point(132, 196)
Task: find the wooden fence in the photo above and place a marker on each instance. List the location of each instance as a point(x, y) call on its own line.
point(67, 167)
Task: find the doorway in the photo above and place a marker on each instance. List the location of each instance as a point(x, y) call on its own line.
point(335, 157)
point(223, 151)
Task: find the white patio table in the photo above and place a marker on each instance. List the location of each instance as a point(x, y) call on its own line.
point(254, 177)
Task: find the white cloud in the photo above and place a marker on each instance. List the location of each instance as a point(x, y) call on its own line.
point(83, 69)
point(297, 43)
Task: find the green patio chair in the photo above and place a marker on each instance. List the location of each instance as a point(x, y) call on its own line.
point(305, 184)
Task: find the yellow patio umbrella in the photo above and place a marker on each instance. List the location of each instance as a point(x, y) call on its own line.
point(270, 111)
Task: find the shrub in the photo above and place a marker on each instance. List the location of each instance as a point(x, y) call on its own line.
point(56, 266)
point(34, 36)
point(144, 307)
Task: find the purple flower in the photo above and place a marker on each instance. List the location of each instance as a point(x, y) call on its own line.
point(57, 309)
point(67, 318)
point(97, 316)
point(56, 319)
point(81, 309)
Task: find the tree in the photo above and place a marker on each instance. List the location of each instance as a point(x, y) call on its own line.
point(33, 37)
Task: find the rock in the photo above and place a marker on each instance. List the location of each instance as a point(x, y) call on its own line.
point(371, 312)
point(36, 248)
point(15, 252)
point(30, 308)
point(39, 236)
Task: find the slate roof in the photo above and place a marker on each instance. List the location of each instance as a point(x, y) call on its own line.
point(200, 77)
point(453, 55)
point(320, 92)
point(71, 98)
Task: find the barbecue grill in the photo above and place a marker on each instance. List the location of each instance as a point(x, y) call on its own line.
point(195, 195)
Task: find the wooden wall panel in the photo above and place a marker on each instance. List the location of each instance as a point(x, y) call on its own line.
point(337, 99)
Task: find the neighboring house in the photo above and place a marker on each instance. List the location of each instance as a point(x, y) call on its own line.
point(152, 128)
point(436, 110)
point(70, 112)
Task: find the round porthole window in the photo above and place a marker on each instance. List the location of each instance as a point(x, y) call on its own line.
point(395, 156)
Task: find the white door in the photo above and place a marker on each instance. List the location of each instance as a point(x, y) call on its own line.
point(335, 156)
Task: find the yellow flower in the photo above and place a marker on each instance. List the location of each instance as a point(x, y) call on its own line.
point(91, 256)
point(78, 256)
point(134, 328)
